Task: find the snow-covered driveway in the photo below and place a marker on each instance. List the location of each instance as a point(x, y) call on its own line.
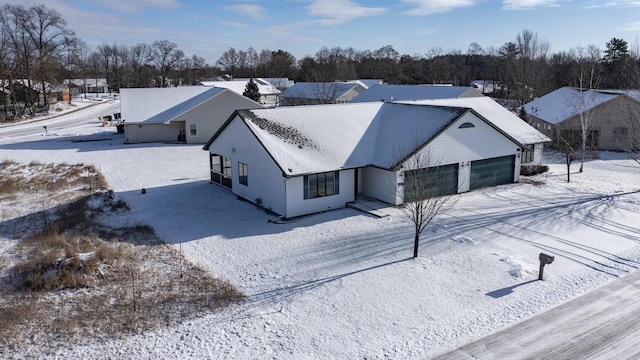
point(602, 324)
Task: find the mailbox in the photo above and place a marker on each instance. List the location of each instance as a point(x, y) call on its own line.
point(546, 259)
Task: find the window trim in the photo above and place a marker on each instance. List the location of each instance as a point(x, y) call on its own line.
point(243, 173)
point(313, 191)
point(193, 129)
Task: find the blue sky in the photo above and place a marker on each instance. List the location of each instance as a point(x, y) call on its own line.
point(208, 28)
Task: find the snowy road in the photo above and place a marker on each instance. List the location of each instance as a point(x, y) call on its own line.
point(67, 122)
point(602, 324)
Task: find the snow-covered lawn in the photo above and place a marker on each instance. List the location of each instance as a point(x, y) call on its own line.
point(341, 284)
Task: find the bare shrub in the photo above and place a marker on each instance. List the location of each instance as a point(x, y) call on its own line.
point(531, 170)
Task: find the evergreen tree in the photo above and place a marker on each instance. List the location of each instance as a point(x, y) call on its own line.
point(251, 90)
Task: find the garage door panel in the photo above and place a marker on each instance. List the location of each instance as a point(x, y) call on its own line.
point(436, 181)
point(492, 172)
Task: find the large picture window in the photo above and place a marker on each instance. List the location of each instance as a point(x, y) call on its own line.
point(243, 174)
point(323, 184)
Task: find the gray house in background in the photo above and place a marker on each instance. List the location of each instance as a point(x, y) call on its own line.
point(615, 116)
point(312, 93)
point(384, 92)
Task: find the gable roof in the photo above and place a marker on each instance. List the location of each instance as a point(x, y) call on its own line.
point(174, 112)
point(320, 138)
point(318, 90)
point(239, 86)
point(496, 114)
point(385, 92)
point(139, 104)
point(566, 102)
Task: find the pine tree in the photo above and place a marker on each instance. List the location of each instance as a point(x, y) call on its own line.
point(251, 90)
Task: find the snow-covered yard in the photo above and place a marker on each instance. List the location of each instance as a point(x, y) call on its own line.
point(341, 284)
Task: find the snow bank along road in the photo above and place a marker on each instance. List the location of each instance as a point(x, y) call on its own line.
point(602, 324)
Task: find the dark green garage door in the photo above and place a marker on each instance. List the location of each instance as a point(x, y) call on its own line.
point(492, 172)
point(434, 181)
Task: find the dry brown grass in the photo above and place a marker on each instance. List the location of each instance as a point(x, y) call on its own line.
point(78, 280)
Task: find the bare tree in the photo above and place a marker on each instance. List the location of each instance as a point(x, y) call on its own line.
point(588, 79)
point(47, 30)
point(165, 55)
point(427, 192)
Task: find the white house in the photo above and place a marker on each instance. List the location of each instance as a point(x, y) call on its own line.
point(189, 113)
point(269, 94)
point(306, 159)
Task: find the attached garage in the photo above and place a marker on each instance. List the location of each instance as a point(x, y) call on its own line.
point(492, 172)
point(434, 181)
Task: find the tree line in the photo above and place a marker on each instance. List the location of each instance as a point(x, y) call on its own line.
point(38, 48)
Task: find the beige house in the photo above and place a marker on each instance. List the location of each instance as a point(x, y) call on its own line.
point(190, 114)
point(613, 116)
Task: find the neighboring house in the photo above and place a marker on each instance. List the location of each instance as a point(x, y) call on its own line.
point(190, 113)
point(486, 87)
point(279, 83)
point(90, 86)
point(312, 93)
point(269, 94)
point(306, 159)
point(367, 83)
point(414, 92)
point(22, 89)
point(614, 114)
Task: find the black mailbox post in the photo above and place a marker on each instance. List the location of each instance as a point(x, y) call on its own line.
point(544, 260)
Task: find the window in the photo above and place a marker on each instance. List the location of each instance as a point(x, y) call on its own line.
point(221, 170)
point(243, 174)
point(527, 154)
point(620, 133)
point(466, 125)
point(226, 166)
point(193, 131)
point(323, 184)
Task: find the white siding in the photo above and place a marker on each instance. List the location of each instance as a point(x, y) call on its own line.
point(265, 180)
point(537, 154)
point(297, 205)
point(462, 146)
point(380, 184)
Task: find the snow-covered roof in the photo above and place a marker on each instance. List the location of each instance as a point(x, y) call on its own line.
point(87, 82)
point(496, 114)
point(385, 92)
point(140, 104)
point(566, 102)
point(280, 83)
point(174, 112)
point(303, 139)
point(318, 90)
point(367, 83)
point(239, 86)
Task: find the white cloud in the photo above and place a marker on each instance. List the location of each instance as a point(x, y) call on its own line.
point(527, 4)
point(235, 24)
point(140, 5)
point(613, 3)
point(634, 26)
point(278, 31)
point(428, 7)
point(253, 11)
point(335, 12)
